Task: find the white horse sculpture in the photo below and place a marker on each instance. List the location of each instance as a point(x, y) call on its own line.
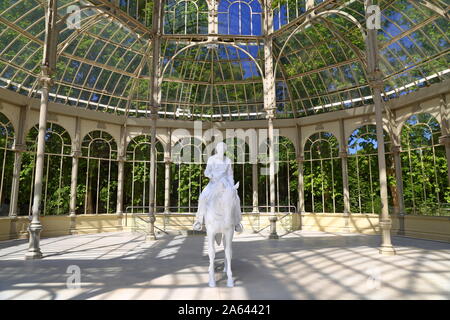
point(219, 208)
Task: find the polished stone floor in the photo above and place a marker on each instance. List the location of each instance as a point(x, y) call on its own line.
point(300, 265)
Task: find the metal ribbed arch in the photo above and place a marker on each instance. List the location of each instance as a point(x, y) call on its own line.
point(307, 22)
point(92, 19)
point(212, 42)
point(86, 25)
point(403, 33)
point(208, 75)
point(414, 53)
point(314, 71)
point(289, 89)
point(428, 18)
point(140, 69)
point(434, 5)
point(124, 14)
point(406, 52)
point(113, 69)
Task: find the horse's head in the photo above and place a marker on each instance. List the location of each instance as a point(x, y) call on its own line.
point(235, 187)
point(228, 194)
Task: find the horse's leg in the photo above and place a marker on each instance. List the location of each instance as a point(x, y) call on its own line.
point(212, 255)
point(225, 258)
point(229, 238)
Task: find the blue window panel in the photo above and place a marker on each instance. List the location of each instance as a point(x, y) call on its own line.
point(246, 26)
point(255, 5)
point(276, 20)
point(256, 23)
point(283, 14)
point(233, 18)
point(223, 5)
point(223, 23)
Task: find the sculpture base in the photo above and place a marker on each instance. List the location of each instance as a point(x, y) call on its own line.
point(195, 233)
point(387, 251)
point(33, 255)
point(274, 236)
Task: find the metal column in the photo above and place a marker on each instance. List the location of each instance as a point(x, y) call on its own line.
point(376, 83)
point(76, 153)
point(49, 56)
point(155, 103)
point(269, 95)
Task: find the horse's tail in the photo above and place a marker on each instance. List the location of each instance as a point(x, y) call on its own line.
point(218, 237)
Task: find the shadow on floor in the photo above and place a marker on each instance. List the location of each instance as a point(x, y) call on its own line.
point(255, 262)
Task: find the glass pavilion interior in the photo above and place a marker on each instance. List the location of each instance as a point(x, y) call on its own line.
point(100, 99)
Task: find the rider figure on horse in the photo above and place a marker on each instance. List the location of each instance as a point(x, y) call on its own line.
point(220, 173)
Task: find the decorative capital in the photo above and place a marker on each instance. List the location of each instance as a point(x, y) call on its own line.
point(445, 140)
point(44, 77)
point(343, 154)
point(154, 114)
point(375, 79)
point(396, 149)
point(19, 147)
point(270, 113)
point(167, 160)
point(121, 158)
point(300, 159)
point(76, 153)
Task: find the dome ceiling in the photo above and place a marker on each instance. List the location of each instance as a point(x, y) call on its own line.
point(320, 63)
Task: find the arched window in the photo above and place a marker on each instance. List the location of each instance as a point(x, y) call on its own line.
point(186, 17)
point(6, 163)
point(424, 164)
point(322, 174)
point(363, 173)
point(137, 168)
point(287, 10)
point(141, 10)
point(97, 174)
point(238, 152)
point(57, 171)
point(240, 17)
point(187, 174)
point(286, 178)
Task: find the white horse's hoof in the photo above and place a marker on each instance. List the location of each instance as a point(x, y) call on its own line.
point(197, 226)
point(230, 283)
point(212, 284)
